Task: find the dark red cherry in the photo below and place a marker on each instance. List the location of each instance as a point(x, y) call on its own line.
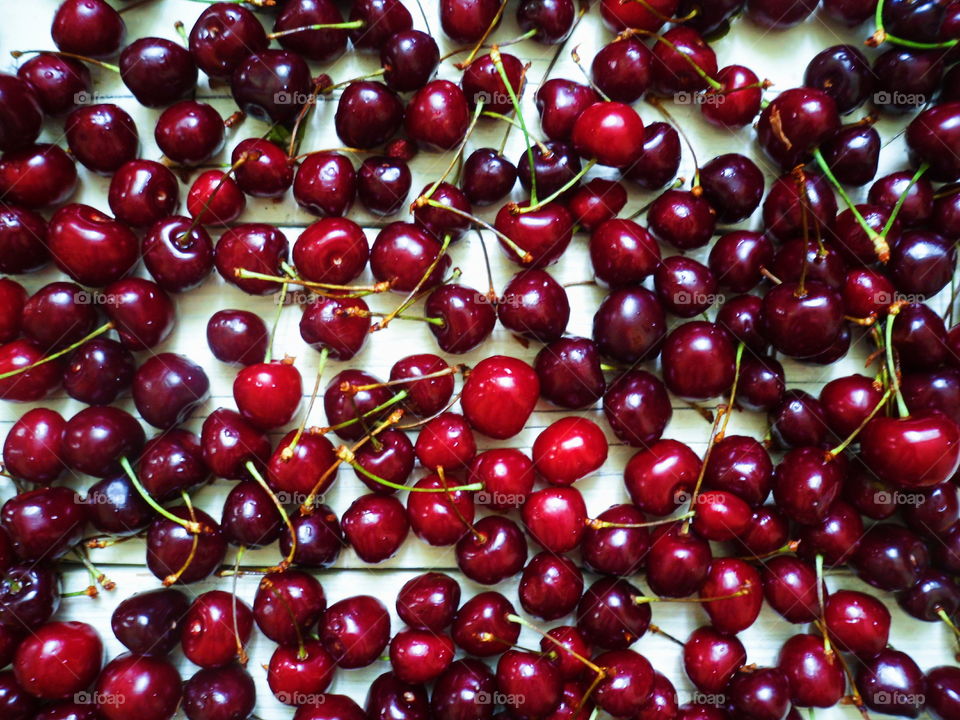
point(167, 388)
point(331, 250)
point(650, 16)
point(711, 658)
point(488, 177)
point(58, 315)
point(531, 683)
point(58, 660)
point(148, 623)
point(382, 19)
point(495, 550)
point(935, 594)
point(678, 561)
point(237, 337)
point(835, 537)
point(843, 73)
point(324, 45)
point(762, 383)
point(891, 683)
point(943, 692)
point(847, 402)
point(550, 586)
point(621, 70)
point(570, 373)
point(255, 247)
point(560, 102)
point(29, 596)
point(102, 137)
point(733, 185)
point(681, 59)
point(141, 312)
point(482, 82)
point(439, 222)
point(189, 132)
point(660, 475)
point(779, 15)
point(929, 135)
point(848, 12)
point(637, 407)
point(612, 615)
point(628, 682)
point(801, 322)
point(96, 438)
point(403, 253)
point(88, 27)
point(760, 694)
point(28, 385)
point(806, 483)
point(437, 115)
point(419, 656)
point(157, 71)
point(698, 360)
point(355, 631)
point(219, 694)
point(815, 676)
point(143, 192)
point(555, 166)
point(175, 555)
point(325, 184)
point(375, 525)
point(553, 20)
point(37, 176)
point(466, 21)
point(90, 247)
point(741, 465)
point(799, 420)
point(23, 249)
point(630, 325)
point(31, 450)
point(215, 629)
point(890, 557)
point(534, 305)
point(623, 252)
point(804, 117)
point(615, 543)
point(853, 154)
point(925, 448)
point(732, 594)
point(788, 202)
point(229, 442)
point(272, 85)
point(319, 539)
point(149, 686)
point(429, 601)
point(250, 517)
point(44, 524)
point(223, 37)
point(596, 202)
point(16, 703)
point(921, 263)
point(682, 219)
point(114, 506)
point(823, 263)
point(769, 531)
point(57, 82)
point(178, 254)
point(409, 59)
point(390, 698)
point(660, 160)
point(456, 690)
point(721, 515)
point(383, 184)
point(392, 461)
point(737, 258)
point(790, 587)
point(345, 407)
point(738, 99)
point(215, 199)
point(264, 168)
point(931, 511)
point(426, 396)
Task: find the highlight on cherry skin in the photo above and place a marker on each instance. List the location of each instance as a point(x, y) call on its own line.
point(627, 380)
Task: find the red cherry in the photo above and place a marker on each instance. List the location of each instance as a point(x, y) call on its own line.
point(150, 688)
point(610, 133)
point(569, 449)
point(711, 658)
point(499, 396)
point(215, 629)
point(918, 451)
point(58, 660)
point(419, 656)
point(268, 394)
point(555, 518)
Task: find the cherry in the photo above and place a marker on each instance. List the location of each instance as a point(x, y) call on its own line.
point(383, 184)
point(738, 99)
point(658, 476)
point(446, 442)
point(223, 37)
point(325, 184)
point(853, 154)
point(711, 658)
point(67, 711)
point(331, 250)
point(801, 321)
point(167, 388)
point(330, 706)
point(355, 631)
point(611, 614)
point(660, 160)
point(140, 311)
point(616, 542)
point(31, 449)
point(928, 135)
point(493, 551)
point(56, 80)
point(682, 219)
point(149, 623)
point(791, 588)
point(263, 169)
point(393, 461)
point(642, 16)
point(637, 407)
point(550, 586)
point(835, 537)
point(678, 561)
point(824, 264)
point(917, 206)
point(215, 629)
point(483, 626)
point(569, 372)
point(29, 596)
point(560, 102)
point(189, 132)
point(37, 176)
point(438, 518)
point(891, 683)
point(805, 118)
point(157, 71)
point(381, 20)
point(551, 21)
point(466, 21)
point(96, 438)
point(403, 253)
point(530, 682)
point(90, 247)
point(409, 59)
point(482, 82)
point(389, 697)
point(252, 247)
point(596, 202)
point(375, 525)
point(926, 447)
point(499, 395)
point(623, 252)
point(439, 222)
point(933, 511)
point(16, 703)
point(58, 315)
point(621, 70)
point(662, 702)
point(760, 694)
point(237, 337)
point(88, 27)
point(149, 686)
point(350, 405)
point(429, 601)
point(784, 209)
point(628, 682)
point(737, 258)
point(176, 555)
point(319, 538)
point(298, 463)
point(682, 61)
point(455, 692)
point(563, 644)
point(890, 557)
point(323, 45)
point(426, 396)
point(934, 596)
point(921, 263)
point(172, 463)
point(178, 255)
point(268, 394)
point(842, 72)
point(250, 516)
point(542, 235)
point(437, 115)
point(102, 137)
point(815, 675)
point(943, 692)
point(23, 249)
point(568, 450)
point(58, 660)
point(27, 385)
point(272, 85)
point(215, 199)
point(219, 694)
point(143, 192)
point(419, 656)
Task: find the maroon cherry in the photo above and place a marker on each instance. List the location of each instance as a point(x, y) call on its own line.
point(375, 525)
point(419, 656)
point(223, 693)
point(176, 555)
point(570, 373)
point(323, 45)
point(90, 247)
point(167, 388)
point(29, 596)
point(263, 169)
point(57, 82)
point(355, 631)
point(58, 660)
point(319, 538)
point(325, 184)
point(531, 683)
point(466, 21)
point(37, 176)
point(143, 192)
point(149, 623)
point(615, 542)
point(215, 629)
point(252, 247)
point(215, 198)
point(223, 37)
point(383, 184)
point(437, 115)
point(102, 137)
point(272, 85)
point(88, 27)
point(429, 601)
point(389, 697)
point(890, 557)
point(31, 450)
point(550, 586)
point(149, 686)
point(711, 658)
point(381, 20)
point(815, 675)
point(229, 442)
point(483, 626)
point(189, 132)
point(403, 253)
point(23, 236)
point(178, 254)
point(409, 59)
point(157, 71)
point(891, 683)
point(250, 517)
point(926, 448)
point(237, 337)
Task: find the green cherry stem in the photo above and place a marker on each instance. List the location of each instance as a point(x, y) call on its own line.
point(498, 63)
point(352, 25)
point(288, 451)
point(892, 313)
point(412, 295)
point(881, 36)
point(347, 455)
point(558, 193)
point(524, 256)
point(193, 527)
point(16, 54)
point(903, 198)
point(258, 477)
point(60, 353)
point(399, 397)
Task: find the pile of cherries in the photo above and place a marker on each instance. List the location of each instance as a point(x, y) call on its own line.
point(861, 476)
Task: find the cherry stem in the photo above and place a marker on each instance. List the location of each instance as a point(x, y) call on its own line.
point(550, 198)
point(181, 31)
point(646, 599)
point(523, 622)
point(173, 578)
point(352, 25)
point(657, 630)
point(82, 58)
point(641, 211)
point(879, 241)
point(355, 312)
point(491, 290)
point(281, 301)
point(712, 82)
point(89, 591)
point(299, 129)
point(256, 475)
point(483, 38)
point(881, 36)
point(524, 256)
point(96, 575)
point(242, 656)
point(294, 279)
point(695, 182)
point(288, 451)
point(519, 39)
point(595, 524)
point(478, 111)
point(892, 313)
point(478, 536)
point(575, 56)
point(411, 297)
point(244, 158)
point(347, 455)
point(267, 584)
point(354, 389)
point(827, 648)
point(399, 397)
point(728, 411)
point(193, 528)
point(498, 63)
point(903, 197)
point(843, 446)
point(60, 353)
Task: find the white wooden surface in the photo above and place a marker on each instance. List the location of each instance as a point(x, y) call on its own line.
point(779, 57)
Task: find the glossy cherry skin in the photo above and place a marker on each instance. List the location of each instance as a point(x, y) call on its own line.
point(114, 506)
point(167, 388)
point(499, 395)
point(375, 525)
point(141, 312)
point(58, 315)
point(23, 236)
point(682, 219)
point(853, 154)
point(550, 586)
point(733, 185)
point(741, 465)
point(150, 687)
point(215, 629)
point(393, 461)
point(597, 201)
point(342, 407)
point(816, 678)
point(799, 420)
point(256, 247)
point(454, 695)
point(628, 682)
point(481, 627)
point(426, 396)
point(58, 660)
point(943, 692)
point(835, 537)
point(37, 176)
point(623, 252)
point(673, 71)
point(226, 693)
point(732, 595)
point(390, 697)
point(806, 116)
point(172, 549)
point(96, 438)
point(56, 80)
point(560, 102)
point(383, 184)
point(355, 631)
point(189, 132)
point(825, 266)
point(466, 21)
point(534, 305)
point(149, 623)
point(296, 472)
point(67, 711)
point(786, 204)
point(495, 551)
point(14, 297)
point(610, 133)
point(439, 222)
point(790, 315)
point(926, 447)
point(629, 325)
point(618, 548)
point(447, 442)
point(88, 27)
point(325, 184)
point(409, 59)
point(215, 199)
point(429, 601)
point(737, 258)
point(331, 250)
point(171, 463)
point(237, 337)
point(934, 594)
point(157, 71)
point(678, 561)
point(569, 372)
point(403, 253)
point(178, 255)
point(930, 135)
point(760, 694)
point(29, 596)
point(102, 137)
point(542, 234)
point(329, 706)
point(890, 557)
point(659, 476)
point(272, 85)
point(250, 517)
point(28, 385)
point(698, 360)
point(847, 401)
point(637, 407)
point(531, 683)
point(935, 513)
point(31, 450)
point(319, 538)
point(16, 703)
point(438, 518)
point(843, 73)
point(223, 37)
point(264, 168)
point(711, 658)
point(90, 247)
point(806, 484)
point(610, 616)
point(324, 45)
point(790, 588)
point(569, 449)
point(419, 656)
point(143, 192)
point(891, 683)
point(621, 70)
point(268, 394)
point(437, 115)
